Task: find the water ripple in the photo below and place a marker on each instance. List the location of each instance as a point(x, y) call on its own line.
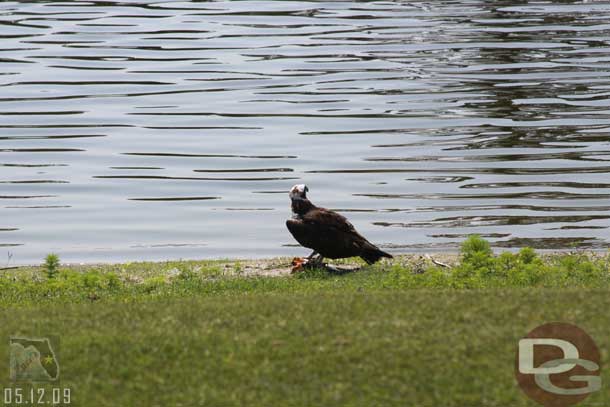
point(445, 117)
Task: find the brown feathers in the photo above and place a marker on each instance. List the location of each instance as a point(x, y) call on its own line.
point(326, 232)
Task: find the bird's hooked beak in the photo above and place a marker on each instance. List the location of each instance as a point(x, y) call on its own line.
point(298, 192)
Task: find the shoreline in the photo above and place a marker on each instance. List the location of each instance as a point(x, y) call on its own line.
point(281, 266)
point(269, 267)
point(450, 255)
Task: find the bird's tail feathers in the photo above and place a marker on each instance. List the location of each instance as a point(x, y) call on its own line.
point(373, 255)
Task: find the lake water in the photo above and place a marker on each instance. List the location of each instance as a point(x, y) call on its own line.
point(152, 130)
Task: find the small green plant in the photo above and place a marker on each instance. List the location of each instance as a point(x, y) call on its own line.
point(477, 259)
point(475, 246)
point(238, 268)
point(51, 264)
point(527, 255)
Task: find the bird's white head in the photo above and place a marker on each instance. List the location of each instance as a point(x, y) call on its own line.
point(298, 191)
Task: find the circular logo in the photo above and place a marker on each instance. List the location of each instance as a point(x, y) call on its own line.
point(558, 365)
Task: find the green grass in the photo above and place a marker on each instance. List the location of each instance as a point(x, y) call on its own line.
point(479, 268)
point(201, 333)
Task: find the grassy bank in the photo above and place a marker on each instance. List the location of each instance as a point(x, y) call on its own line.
point(406, 332)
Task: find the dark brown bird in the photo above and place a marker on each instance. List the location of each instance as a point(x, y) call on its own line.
point(326, 232)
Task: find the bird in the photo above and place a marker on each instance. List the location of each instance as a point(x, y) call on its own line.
point(327, 233)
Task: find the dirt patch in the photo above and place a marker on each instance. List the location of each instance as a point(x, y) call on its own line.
point(278, 267)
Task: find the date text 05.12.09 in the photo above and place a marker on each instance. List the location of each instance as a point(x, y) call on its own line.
point(37, 396)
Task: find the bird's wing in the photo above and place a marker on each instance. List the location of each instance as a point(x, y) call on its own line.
point(326, 219)
point(302, 232)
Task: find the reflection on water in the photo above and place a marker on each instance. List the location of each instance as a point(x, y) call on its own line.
point(152, 130)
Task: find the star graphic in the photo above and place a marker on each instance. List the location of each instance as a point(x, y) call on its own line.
point(48, 359)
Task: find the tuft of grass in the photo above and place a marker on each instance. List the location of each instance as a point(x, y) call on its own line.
point(313, 273)
point(475, 246)
point(51, 264)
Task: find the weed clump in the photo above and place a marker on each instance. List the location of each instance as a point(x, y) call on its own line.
point(480, 268)
point(475, 247)
point(51, 265)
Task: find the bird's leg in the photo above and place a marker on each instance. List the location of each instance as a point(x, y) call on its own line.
point(314, 260)
point(317, 261)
